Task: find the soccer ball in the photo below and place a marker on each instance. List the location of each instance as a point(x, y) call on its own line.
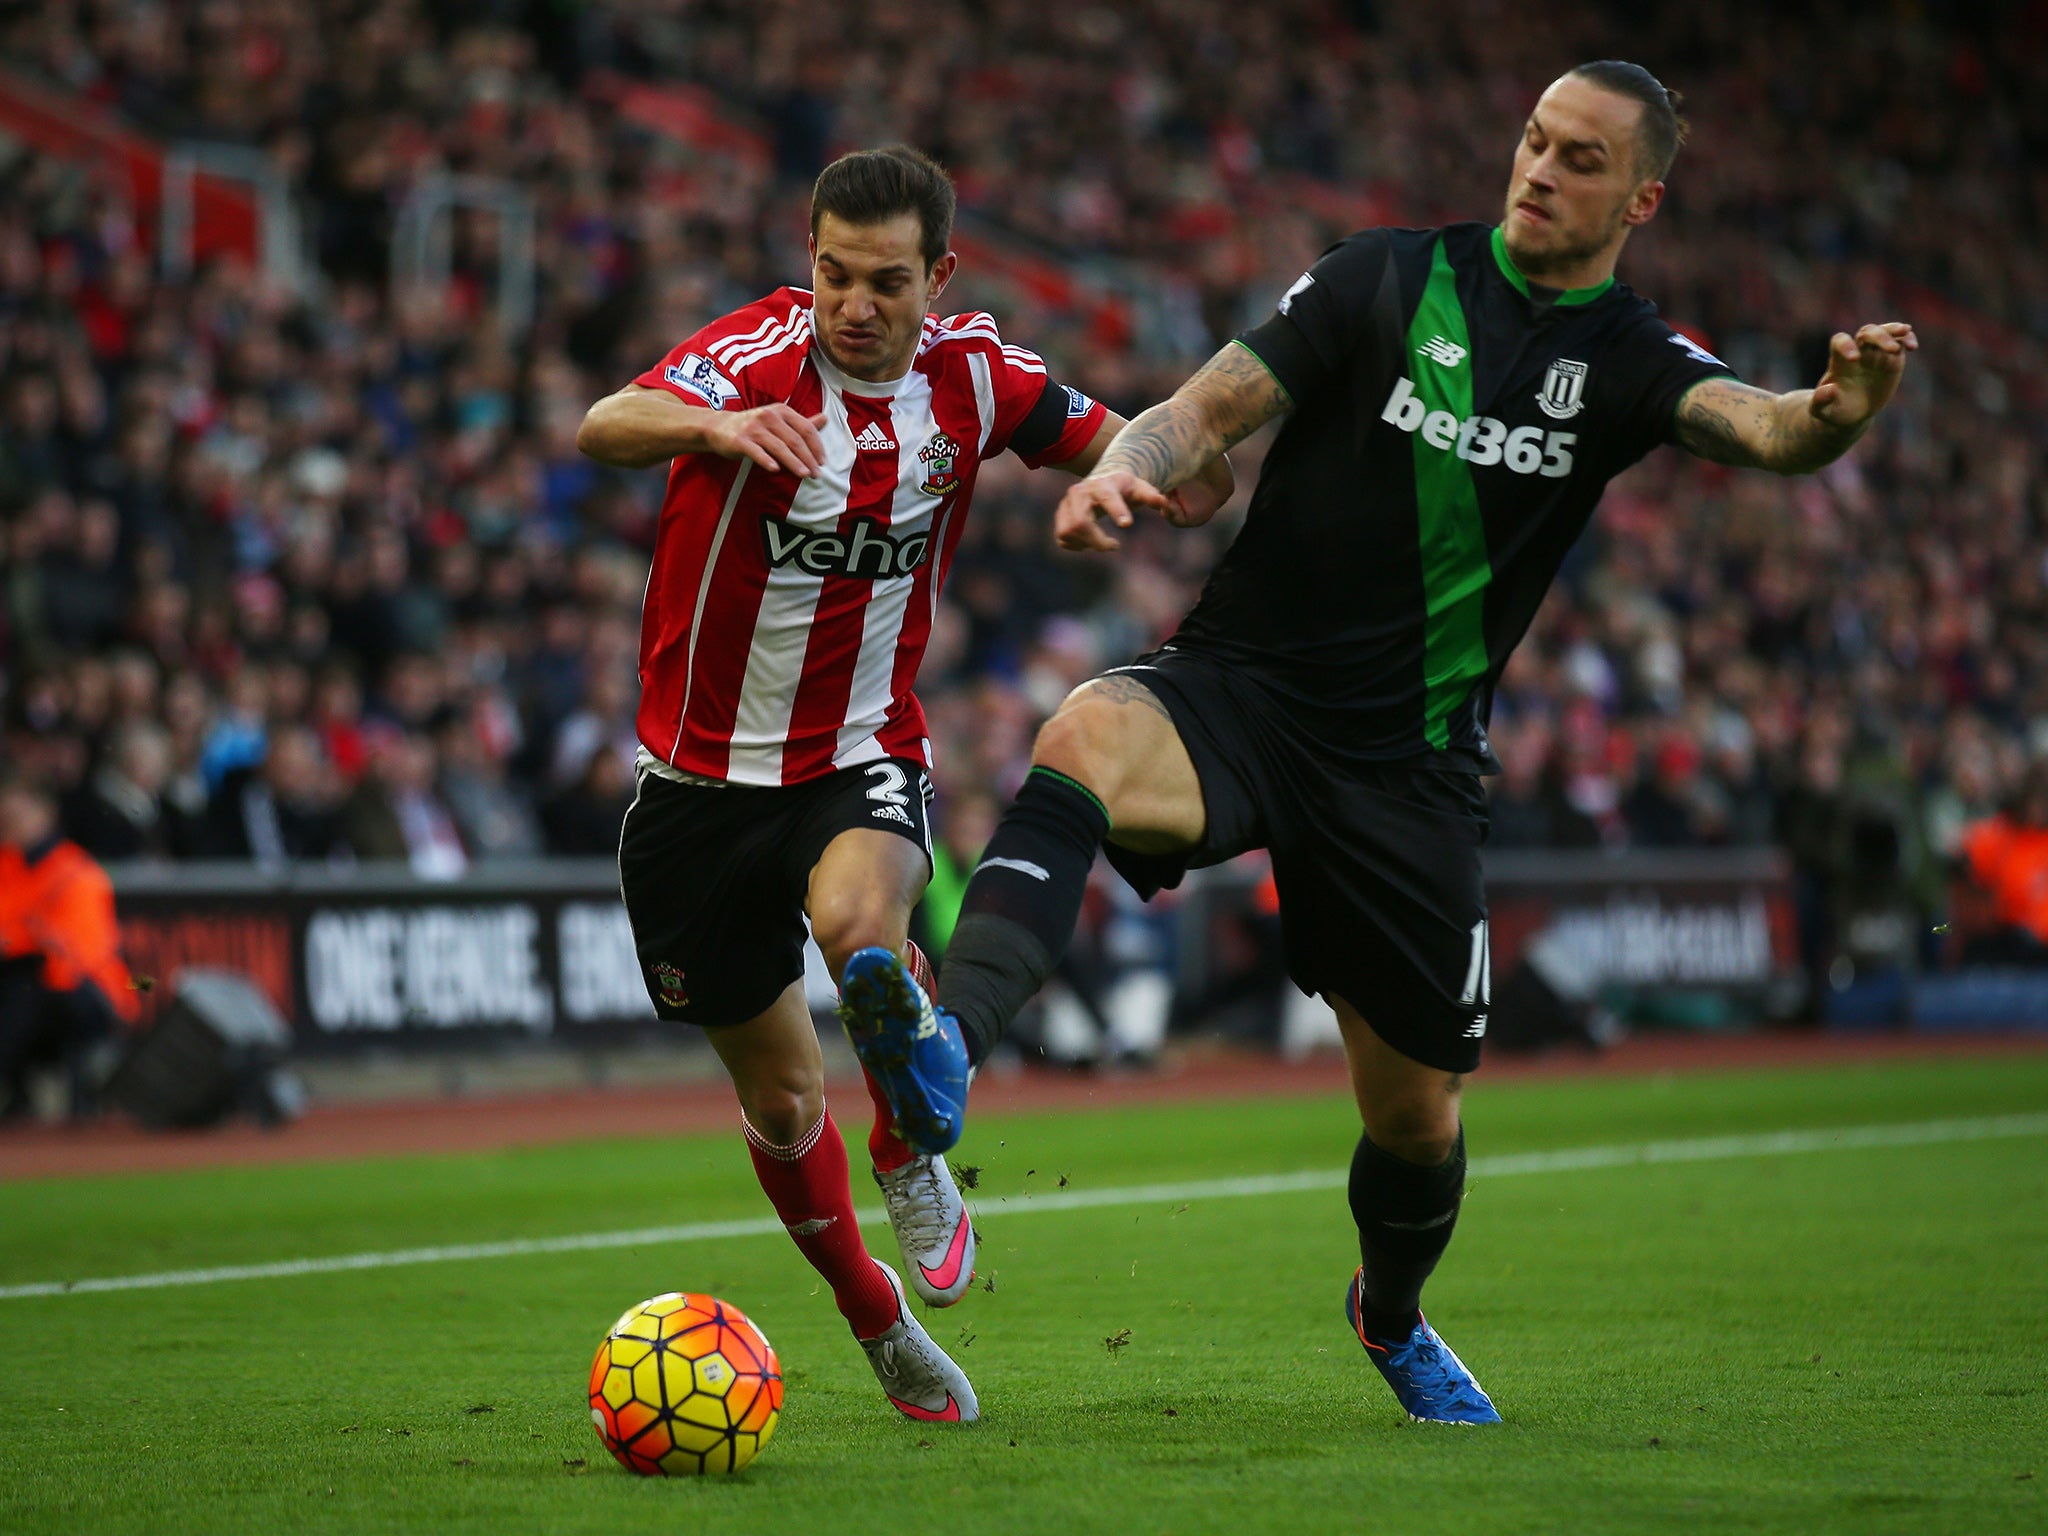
point(684, 1385)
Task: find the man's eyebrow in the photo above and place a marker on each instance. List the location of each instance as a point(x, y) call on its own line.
point(1593, 144)
point(896, 269)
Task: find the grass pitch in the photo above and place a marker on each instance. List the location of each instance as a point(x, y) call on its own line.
point(1841, 1340)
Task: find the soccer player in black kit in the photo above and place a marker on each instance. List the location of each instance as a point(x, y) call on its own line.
point(1456, 400)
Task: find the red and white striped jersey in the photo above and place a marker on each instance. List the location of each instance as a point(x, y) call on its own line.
point(786, 617)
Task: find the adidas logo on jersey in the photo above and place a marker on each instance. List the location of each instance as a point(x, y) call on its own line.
point(873, 439)
point(1481, 440)
point(870, 550)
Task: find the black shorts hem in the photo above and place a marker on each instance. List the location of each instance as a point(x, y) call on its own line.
point(1446, 1051)
point(726, 1017)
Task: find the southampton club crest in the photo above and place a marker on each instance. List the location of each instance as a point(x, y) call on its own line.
point(940, 458)
point(1564, 387)
point(668, 981)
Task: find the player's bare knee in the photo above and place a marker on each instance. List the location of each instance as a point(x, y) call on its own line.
point(783, 1107)
point(853, 923)
point(1080, 741)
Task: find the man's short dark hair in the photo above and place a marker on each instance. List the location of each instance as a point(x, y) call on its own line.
point(1661, 129)
point(872, 186)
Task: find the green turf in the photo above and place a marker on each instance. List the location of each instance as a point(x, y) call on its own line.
point(1844, 1341)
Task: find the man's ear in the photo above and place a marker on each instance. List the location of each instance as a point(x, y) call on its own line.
point(942, 273)
point(1643, 203)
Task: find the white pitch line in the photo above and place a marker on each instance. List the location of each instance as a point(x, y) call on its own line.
point(1507, 1165)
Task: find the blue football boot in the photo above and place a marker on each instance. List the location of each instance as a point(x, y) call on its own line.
point(912, 1048)
point(1431, 1382)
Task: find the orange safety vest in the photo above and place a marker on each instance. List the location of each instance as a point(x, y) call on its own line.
point(63, 906)
point(2010, 861)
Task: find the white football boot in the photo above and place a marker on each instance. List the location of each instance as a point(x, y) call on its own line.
point(915, 1373)
point(932, 1228)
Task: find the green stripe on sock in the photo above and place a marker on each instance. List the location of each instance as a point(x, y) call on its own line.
point(1072, 783)
point(1455, 569)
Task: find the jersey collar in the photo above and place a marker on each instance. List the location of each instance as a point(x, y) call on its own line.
point(1508, 270)
point(846, 383)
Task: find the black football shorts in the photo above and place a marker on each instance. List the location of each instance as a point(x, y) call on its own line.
point(1377, 864)
point(714, 878)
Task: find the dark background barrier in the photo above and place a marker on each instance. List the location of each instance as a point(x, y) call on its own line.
point(374, 954)
point(542, 951)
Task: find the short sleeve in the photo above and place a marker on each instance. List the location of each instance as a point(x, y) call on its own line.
point(733, 363)
point(690, 374)
point(1060, 423)
point(1657, 366)
point(1037, 418)
point(1325, 317)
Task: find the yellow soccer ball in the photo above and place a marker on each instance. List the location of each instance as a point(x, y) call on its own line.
point(684, 1385)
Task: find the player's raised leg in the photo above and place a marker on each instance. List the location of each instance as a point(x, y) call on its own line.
point(860, 897)
point(1108, 764)
point(800, 1159)
point(1407, 1181)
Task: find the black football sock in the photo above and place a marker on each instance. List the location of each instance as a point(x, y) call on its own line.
point(1405, 1213)
point(1020, 906)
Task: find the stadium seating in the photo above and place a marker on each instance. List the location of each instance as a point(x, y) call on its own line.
point(298, 538)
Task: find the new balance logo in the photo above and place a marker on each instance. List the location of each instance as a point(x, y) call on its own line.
point(1439, 350)
point(1476, 1030)
point(809, 1228)
point(873, 439)
point(869, 550)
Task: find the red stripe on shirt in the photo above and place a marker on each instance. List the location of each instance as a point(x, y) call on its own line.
point(712, 678)
point(826, 689)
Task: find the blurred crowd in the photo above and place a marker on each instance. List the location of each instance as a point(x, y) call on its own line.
point(321, 575)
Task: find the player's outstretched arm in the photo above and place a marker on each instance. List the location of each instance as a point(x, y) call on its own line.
point(638, 427)
point(1188, 505)
point(1796, 433)
point(1172, 444)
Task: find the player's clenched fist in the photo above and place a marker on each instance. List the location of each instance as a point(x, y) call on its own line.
point(775, 436)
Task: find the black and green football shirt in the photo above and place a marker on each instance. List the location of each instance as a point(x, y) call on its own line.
point(1453, 428)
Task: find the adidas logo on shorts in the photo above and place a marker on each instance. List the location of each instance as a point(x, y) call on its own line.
point(893, 813)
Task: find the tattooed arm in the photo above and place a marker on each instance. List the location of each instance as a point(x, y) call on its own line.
point(1168, 446)
point(1796, 433)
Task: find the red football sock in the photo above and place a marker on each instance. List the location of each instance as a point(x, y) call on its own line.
point(889, 1150)
point(807, 1184)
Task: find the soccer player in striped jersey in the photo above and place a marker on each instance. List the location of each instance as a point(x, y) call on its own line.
point(1456, 400)
point(825, 446)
